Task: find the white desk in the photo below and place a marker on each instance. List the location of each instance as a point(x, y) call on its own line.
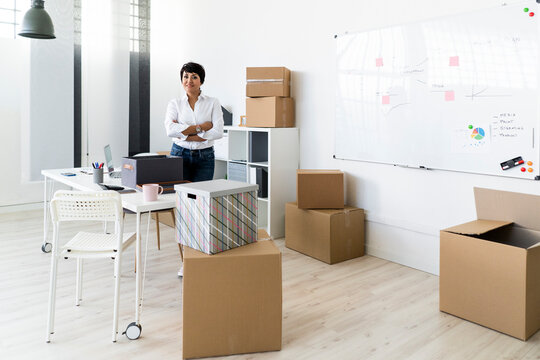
point(131, 201)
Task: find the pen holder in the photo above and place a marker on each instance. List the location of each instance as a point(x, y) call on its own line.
point(98, 175)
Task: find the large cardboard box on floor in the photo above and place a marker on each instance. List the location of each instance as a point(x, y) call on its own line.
point(490, 267)
point(330, 235)
point(273, 112)
point(232, 301)
point(268, 81)
point(319, 189)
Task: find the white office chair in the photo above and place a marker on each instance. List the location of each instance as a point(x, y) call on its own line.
point(87, 206)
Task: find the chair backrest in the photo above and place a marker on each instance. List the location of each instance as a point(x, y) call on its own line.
point(69, 205)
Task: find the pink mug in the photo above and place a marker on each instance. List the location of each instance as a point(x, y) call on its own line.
point(151, 191)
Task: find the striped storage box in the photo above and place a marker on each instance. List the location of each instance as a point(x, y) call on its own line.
point(217, 215)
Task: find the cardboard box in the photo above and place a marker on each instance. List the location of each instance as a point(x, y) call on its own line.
point(329, 235)
point(268, 81)
point(138, 170)
point(232, 301)
point(262, 235)
point(165, 217)
point(319, 189)
point(216, 215)
point(490, 267)
point(271, 112)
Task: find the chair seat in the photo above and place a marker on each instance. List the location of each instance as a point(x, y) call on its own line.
point(96, 242)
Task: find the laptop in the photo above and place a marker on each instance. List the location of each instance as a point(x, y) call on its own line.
point(110, 164)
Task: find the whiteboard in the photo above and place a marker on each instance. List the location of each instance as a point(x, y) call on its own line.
point(456, 93)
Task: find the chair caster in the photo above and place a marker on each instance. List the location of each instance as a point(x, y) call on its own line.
point(46, 248)
point(133, 331)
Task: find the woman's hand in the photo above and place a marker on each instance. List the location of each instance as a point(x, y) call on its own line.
point(207, 126)
point(195, 138)
point(192, 130)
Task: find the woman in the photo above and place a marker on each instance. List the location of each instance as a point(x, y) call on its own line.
point(193, 122)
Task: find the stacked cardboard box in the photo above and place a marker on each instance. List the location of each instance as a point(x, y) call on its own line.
point(231, 298)
point(268, 102)
point(232, 301)
point(319, 224)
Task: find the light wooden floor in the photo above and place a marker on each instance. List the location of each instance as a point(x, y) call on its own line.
point(365, 308)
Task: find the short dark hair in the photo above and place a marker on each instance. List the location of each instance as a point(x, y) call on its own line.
point(192, 67)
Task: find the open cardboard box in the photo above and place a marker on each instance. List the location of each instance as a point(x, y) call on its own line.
point(490, 267)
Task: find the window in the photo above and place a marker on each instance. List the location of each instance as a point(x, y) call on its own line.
point(10, 17)
point(139, 77)
point(139, 25)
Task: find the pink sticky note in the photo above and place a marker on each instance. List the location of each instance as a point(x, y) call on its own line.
point(454, 61)
point(378, 62)
point(449, 95)
point(386, 99)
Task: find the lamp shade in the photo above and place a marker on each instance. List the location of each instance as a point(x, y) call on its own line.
point(37, 24)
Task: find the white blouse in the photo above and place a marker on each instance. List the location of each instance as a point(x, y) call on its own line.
point(206, 109)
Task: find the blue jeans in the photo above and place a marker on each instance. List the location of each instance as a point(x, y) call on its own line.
point(198, 164)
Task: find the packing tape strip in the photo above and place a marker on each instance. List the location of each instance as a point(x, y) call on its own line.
point(265, 80)
point(347, 213)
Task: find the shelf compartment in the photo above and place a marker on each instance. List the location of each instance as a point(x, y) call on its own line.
point(238, 146)
point(259, 176)
point(237, 171)
point(258, 146)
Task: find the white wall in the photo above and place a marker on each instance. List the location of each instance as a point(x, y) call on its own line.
point(48, 134)
point(405, 207)
point(14, 86)
point(36, 107)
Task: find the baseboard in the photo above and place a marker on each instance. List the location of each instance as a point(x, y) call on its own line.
point(406, 247)
point(21, 207)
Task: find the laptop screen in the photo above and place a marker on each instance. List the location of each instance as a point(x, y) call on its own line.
point(108, 158)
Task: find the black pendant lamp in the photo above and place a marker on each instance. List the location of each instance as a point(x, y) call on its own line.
point(37, 24)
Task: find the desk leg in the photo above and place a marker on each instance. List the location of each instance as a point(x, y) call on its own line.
point(139, 269)
point(45, 247)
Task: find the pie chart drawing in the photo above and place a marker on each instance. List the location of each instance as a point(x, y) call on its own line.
point(478, 134)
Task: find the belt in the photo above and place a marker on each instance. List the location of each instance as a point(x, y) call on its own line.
point(211, 148)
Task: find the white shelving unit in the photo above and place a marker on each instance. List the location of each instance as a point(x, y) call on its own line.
point(282, 150)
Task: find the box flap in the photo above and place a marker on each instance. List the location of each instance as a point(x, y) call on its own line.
point(267, 247)
point(522, 209)
point(263, 235)
point(477, 227)
point(318, 171)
